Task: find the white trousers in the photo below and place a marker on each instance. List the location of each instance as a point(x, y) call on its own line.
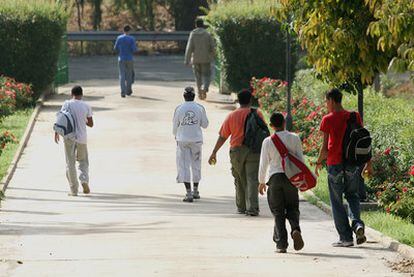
point(189, 161)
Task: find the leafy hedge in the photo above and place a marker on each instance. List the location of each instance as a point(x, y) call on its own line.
point(30, 33)
point(251, 42)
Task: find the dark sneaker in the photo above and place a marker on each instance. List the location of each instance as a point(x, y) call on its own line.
point(86, 188)
point(297, 240)
point(129, 93)
point(188, 198)
point(360, 235)
point(123, 95)
point(252, 213)
point(281, 250)
point(196, 195)
point(343, 244)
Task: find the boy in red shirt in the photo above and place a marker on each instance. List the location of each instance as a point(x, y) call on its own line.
point(343, 179)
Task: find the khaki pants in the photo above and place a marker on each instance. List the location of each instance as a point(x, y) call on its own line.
point(202, 72)
point(245, 168)
point(76, 152)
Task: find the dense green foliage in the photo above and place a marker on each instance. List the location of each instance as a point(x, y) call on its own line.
point(30, 41)
point(251, 42)
point(394, 28)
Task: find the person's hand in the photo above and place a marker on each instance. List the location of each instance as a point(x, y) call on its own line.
point(318, 167)
point(368, 170)
point(57, 138)
point(262, 189)
point(213, 159)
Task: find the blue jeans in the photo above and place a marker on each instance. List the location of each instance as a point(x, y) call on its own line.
point(344, 181)
point(126, 76)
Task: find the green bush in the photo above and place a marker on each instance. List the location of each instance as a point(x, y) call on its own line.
point(30, 40)
point(251, 42)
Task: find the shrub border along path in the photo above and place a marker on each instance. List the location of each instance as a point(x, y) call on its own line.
point(392, 244)
point(24, 140)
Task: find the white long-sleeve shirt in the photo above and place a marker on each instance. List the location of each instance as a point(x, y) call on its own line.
point(270, 159)
point(188, 120)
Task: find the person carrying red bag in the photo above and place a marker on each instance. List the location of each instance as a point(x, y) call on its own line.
point(282, 196)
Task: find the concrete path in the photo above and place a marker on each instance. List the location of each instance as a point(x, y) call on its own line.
point(134, 222)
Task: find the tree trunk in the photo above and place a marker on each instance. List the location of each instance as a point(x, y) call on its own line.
point(377, 82)
point(97, 14)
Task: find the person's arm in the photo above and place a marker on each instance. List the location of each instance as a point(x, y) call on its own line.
point(57, 137)
point(89, 119)
point(323, 153)
point(189, 50)
point(204, 119)
point(263, 166)
point(134, 46)
point(219, 144)
point(212, 48)
point(176, 123)
point(116, 46)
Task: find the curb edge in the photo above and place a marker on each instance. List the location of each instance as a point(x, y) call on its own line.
point(23, 141)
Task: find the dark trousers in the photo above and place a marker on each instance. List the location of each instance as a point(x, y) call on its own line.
point(283, 199)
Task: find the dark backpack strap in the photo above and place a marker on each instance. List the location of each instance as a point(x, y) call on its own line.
point(353, 117)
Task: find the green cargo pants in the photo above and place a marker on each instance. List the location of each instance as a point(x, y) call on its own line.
point(245, 168)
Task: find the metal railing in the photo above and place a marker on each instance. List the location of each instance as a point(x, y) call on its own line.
point(139, 36)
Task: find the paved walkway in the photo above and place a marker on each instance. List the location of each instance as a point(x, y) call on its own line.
point(134, 223)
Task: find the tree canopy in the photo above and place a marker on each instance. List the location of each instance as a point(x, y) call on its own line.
point(393, 27)
point(334, 34)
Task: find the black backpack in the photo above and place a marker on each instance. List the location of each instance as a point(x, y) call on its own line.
point(357, 143)
point(255, 131)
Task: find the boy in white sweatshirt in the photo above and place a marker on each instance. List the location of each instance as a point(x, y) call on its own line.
point(282, 196)
point(189, 118)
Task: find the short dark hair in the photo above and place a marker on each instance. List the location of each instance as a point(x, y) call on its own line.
point(127, 28)
point(244, 97)
point(277, 119)
point(199, 22)
point(189, 94)
point(77, 91)
point(335, 95)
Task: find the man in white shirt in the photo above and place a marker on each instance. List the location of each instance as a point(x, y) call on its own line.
point(282, 196)
point(76, 150)
point(188, 120)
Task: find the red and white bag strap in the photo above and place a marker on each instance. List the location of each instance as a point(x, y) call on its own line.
point(283, 151)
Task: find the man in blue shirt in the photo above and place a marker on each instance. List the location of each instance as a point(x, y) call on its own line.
point(125, 45)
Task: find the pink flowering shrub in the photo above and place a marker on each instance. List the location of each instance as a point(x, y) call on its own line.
point(307, 115)
point(22, 93)
point(6, 138)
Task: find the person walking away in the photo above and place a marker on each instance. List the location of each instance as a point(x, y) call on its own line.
point(244, 161)
point(189, 118)
point(125, 46)
point(282, 196)
point(200, 52)
point(76, 149)
point(343, 179)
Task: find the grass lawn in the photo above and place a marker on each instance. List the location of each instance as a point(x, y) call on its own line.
point(16, 124)
point(389, 225)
